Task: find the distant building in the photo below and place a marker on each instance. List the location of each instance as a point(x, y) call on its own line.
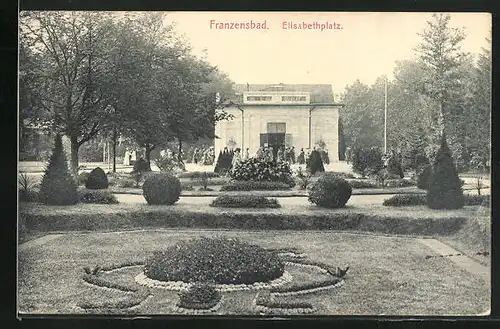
point(281, 115)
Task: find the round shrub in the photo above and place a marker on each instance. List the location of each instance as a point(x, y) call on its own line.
point(218, 260)
point(161, 189)
point(330, 191)
point(199, 296)
point(97, 180)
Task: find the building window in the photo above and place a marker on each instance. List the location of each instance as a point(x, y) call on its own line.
point(276, 127)
point(293, 98)
point(259, 98)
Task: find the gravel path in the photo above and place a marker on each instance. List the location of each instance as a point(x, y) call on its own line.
point(354, 200)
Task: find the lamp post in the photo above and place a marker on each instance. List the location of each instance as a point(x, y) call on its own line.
point(385, 117)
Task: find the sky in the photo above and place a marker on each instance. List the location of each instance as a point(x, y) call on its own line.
point(366, 46)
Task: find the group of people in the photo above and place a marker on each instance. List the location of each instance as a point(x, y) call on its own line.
point(204, 157)
point(283, 154)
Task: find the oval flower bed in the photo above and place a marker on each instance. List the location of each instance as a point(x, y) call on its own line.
point(217, 260)
point(245, 201)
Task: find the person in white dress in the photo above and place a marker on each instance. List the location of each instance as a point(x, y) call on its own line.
point(126, 158)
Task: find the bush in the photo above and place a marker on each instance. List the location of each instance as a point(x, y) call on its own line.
point(477, 200)
point(399, 183)
point(244, 201)
point(218, 260)
point(405, 200)
point(58, 186)
point(82, 178)
point(254, 186)
point(126, 182)
point(253, 169)
point(344, 175)
point(356, 183)
point(168, 164)
point(445, 188)
point(199, 296)
point(97, 180)
point(224, 162)
point(367, 161)
point(198, 174)
point(161, 189)
point(423, 177)
point(27, 192)
point(141, 165)
point(314, 163)
point(97, 196)
point(330, 191)
point(304, 178)
point(420, 200)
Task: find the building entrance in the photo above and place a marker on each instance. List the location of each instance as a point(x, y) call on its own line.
point(275, 136)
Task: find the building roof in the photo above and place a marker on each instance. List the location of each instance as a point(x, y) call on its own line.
point(320, 93)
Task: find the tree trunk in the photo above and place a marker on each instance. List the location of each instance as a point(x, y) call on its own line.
point(148, 155)
point(179, 155)
point(74, 154)
point(115, 137)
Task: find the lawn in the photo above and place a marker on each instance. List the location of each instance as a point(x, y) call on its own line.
point(388, 275)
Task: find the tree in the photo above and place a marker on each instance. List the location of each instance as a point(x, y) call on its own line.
point(440, 54)
point(72, 51)
point(479, 102)
point(58, 186)
point(362, 117)
point(444, 185)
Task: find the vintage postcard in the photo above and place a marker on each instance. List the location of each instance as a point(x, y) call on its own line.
point(254, 163)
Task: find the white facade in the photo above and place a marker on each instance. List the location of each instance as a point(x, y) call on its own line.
point(305, 123)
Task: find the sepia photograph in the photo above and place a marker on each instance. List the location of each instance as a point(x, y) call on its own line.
point(263, 164)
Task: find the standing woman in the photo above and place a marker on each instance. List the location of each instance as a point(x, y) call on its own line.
point(195, 156)
point(280, 155)
point(301, 158)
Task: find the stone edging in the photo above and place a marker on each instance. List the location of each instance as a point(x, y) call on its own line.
point(213, 309)
point(142, 279)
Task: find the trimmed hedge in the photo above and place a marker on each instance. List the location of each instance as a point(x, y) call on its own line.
point(421, 200)
point(344, 175)
point(254, 186)
point(171, 218)
point(97, 196)
point(217, 260)
point(198, 174)
point(244, 201)
point(360, 183)
point(399, 183)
